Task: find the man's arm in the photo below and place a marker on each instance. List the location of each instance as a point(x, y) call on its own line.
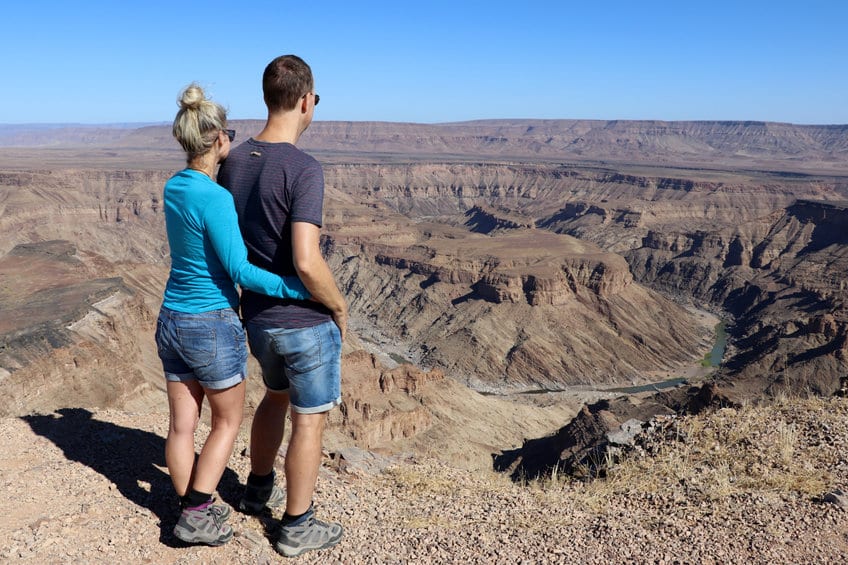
point(315, 273)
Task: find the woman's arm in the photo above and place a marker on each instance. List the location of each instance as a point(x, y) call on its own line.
point(221, 225)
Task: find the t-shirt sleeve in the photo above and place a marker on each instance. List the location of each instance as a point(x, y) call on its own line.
point(307, 204)
point(221, 225)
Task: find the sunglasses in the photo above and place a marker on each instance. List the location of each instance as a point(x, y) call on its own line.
point(317, 97)
point(231, 133)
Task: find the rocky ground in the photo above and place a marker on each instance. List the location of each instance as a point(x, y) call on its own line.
point(735, 486)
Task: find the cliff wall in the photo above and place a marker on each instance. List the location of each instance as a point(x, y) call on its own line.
point(539, 310)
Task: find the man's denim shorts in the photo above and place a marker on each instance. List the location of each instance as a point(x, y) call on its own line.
point(209, 347)
point(305, 362)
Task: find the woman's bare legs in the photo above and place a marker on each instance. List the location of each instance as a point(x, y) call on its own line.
point(227, 408)
point(184, 402)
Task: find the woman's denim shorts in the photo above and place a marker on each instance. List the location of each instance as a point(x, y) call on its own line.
point(209, 347)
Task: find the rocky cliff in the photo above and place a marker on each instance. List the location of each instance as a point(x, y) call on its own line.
point(67, 335)
point(783, 283)
point(114, 213)
point(405, 409)
point(511, 255)
point(539, 310)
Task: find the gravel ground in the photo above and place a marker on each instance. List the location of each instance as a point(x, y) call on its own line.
point(82, 487)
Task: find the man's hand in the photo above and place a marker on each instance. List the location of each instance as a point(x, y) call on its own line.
point(315, 273)
point(340, 318)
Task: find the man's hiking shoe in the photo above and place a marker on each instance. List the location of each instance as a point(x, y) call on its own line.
point(257, 499)
point(307, 534)
point(203, 524)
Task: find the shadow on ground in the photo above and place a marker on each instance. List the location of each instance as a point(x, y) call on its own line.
point(128, 457)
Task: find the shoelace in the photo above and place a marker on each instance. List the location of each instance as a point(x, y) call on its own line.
point(215, 513)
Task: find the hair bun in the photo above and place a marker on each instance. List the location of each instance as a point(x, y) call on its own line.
point(198, 122)
point(192, 97)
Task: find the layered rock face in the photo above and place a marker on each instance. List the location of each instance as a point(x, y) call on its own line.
point(114, 213)
point(535, 310)
point(405, 409)
point(68, 335)
point(792, 320)
point(383, 406)
point(777, 277)
point(612, 209)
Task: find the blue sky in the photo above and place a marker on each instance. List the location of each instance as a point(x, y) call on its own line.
point(431, 62)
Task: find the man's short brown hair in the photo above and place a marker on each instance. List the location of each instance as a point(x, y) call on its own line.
point(285, 80)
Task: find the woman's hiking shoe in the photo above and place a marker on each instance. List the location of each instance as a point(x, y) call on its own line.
point(306, 534)
point(257, 498)
point(222, 510)
point(203, 524)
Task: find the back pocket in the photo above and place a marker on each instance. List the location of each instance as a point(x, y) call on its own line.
point(198, 347)
point(300, 349)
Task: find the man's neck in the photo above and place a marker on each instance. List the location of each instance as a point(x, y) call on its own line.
point(281, 128)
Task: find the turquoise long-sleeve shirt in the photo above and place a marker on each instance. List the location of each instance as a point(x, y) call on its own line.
point(208, 256)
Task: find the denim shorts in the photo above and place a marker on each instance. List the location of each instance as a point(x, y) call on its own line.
point(305, 362)
point(209, 347)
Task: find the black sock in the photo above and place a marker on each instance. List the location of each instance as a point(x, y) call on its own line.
point(289, 519)
point(260, 480)
point(194, 498)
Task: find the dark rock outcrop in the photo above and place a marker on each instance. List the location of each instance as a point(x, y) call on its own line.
point(595, 437)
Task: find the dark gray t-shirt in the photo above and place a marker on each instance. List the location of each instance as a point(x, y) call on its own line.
point(273, 185)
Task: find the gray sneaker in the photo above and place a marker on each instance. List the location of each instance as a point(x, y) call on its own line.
point(308, 534)
point(203, 525)
point(222, 510)
point(257, 499)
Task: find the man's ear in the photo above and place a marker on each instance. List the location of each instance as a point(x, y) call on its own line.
point(304, 104)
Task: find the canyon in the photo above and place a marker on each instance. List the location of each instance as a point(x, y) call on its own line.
point(503, 276)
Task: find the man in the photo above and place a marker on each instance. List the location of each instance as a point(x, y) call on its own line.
point(278, 191)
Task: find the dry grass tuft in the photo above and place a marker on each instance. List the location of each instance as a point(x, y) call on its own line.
point(766, 450)
point(693, 468)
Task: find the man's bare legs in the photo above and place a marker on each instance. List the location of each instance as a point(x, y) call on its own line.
point(266, 432)
point(303, 459)
point(303, 456)
point(300, 530)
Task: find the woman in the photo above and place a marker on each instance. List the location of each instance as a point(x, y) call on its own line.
point(199, 336)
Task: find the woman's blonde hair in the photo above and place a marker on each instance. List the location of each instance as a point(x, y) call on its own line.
point(198, 122)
